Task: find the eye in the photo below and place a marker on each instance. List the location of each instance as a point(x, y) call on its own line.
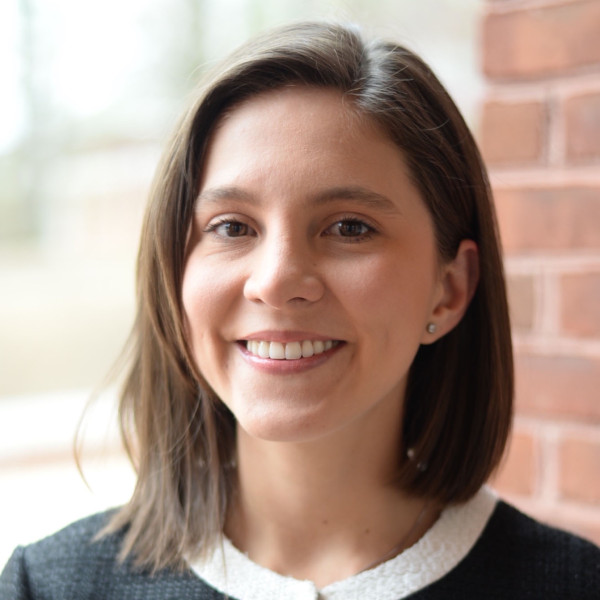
point(229, 228)
point(351, 228)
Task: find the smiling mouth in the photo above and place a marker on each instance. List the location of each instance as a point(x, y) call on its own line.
point(289, 350)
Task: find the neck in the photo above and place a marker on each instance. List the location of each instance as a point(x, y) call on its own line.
point(322, 510)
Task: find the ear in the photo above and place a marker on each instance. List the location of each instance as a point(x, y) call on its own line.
point(458, 282)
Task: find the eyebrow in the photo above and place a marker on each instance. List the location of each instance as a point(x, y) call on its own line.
point(355, 194)
point(359, 195)
point(230, 192)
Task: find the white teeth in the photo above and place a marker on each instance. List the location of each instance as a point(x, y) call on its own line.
point(263, 349)
point(276, 350)
point(293, 351)
point(289, 351)
point(307, 349)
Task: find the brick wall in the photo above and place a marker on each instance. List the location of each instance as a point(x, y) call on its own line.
point(540, 136)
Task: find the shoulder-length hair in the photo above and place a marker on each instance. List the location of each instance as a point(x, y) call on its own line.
point(459, 396)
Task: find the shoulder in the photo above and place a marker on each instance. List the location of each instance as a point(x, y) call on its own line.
point(76, 542)
point(73, 564)
point(518, 557)
point(538, 547)
point(510, 524)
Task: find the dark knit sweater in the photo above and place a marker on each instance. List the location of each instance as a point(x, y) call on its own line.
point(515, 558)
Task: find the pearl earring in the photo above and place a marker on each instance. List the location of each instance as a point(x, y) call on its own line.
point(411, 455)
point(431, 327)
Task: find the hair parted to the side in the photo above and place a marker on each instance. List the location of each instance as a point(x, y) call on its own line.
point(459, 399)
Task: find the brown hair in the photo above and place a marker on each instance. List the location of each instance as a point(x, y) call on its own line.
point(459, 398)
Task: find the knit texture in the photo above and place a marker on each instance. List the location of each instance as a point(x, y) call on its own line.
point(515, 558)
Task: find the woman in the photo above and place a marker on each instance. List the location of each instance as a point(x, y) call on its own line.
point(322, 374)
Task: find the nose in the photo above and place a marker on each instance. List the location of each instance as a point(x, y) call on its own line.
point(283, 273)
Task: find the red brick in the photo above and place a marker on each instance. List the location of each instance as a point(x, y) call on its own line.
point(582, 116)
point(521, 300)
point(580, 469)
point(580, 304)
point(518, 472)
point(549, 218)
point(513, 132)
point(541, 41)
point(558, 386)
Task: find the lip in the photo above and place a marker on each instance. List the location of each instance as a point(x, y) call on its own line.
point(282, 367)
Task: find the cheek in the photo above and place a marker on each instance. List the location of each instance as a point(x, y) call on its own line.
point(388, 293)
point(206, 296)
point(207, 300)
point(192, 299)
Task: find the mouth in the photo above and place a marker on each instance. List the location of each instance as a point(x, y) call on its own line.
point(288, 350)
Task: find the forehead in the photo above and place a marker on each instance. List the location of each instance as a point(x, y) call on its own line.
point(309, 125)
point(294, 107)
point(292, 95)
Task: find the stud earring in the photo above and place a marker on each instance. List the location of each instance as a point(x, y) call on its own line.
point(411, 455)
point(431, 327)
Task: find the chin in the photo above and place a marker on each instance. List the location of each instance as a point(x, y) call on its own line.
point(283, 427)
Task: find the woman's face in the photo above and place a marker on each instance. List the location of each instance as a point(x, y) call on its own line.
point(312, 268)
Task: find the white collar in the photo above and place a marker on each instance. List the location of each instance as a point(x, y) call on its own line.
point(446, 543)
